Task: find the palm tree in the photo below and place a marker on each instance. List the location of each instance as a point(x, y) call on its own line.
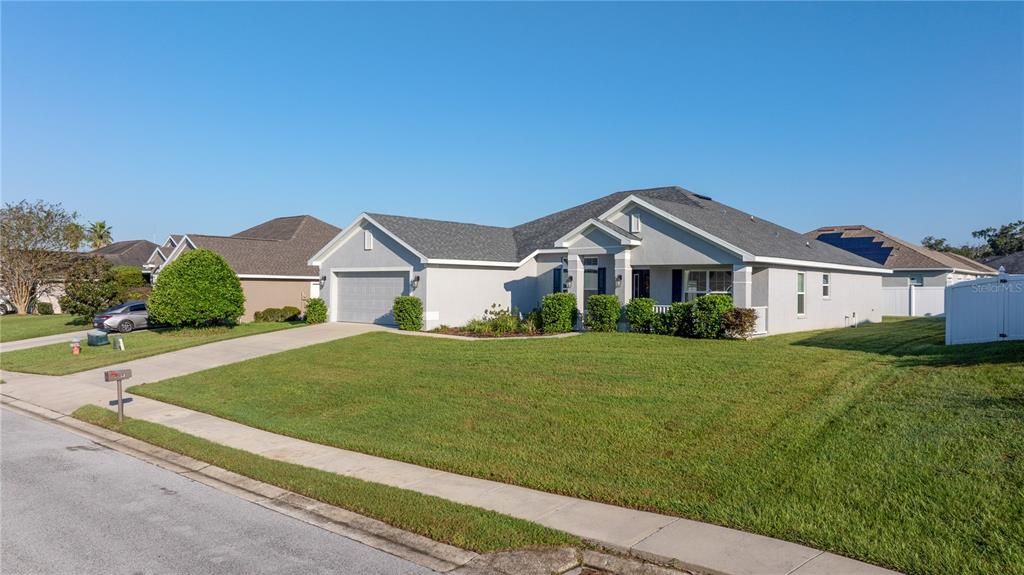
point(99, 234)
point(74, 235)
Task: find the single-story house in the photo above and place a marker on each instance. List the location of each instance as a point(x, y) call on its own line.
point(920, 275)
point(666, 243)
point(270, 259)
point(1011, 263)
point(133, 253)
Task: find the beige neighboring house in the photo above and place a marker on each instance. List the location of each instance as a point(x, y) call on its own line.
point(124, 253)
point(917, 286)
point(270, 259)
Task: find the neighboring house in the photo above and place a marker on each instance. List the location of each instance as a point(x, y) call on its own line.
point(665, 243)
point(270, 259)
point(920, 275)
point(1011, 263)
point(135, 253)
point(126, 253)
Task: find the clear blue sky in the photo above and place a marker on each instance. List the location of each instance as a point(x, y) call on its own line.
point(209, 118)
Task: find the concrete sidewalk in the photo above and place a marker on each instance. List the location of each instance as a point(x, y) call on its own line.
point(661, 538)
point(44, 340)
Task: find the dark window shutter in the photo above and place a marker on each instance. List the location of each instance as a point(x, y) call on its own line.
point(600, 280)
point(677, 285)
point(557, 286)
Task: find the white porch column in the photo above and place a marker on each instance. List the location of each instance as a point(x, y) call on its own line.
point(625, 269)
point(575, 271)
point(742, 285)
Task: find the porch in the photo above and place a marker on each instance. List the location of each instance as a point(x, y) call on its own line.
point(667, 284)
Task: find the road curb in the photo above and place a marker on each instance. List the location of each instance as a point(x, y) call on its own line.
point(406, 545)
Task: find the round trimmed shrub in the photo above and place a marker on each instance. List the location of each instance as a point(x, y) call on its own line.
point(290, 313)
point(708, 312)
point(558, 312)
point(603, 313)
point(640, 315)
point(316, 311)
point(676, 321)
point(197, 289)
point(408, 312)
point(44, 308)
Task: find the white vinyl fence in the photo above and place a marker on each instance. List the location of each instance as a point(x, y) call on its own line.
point(987, 309)
point(913, 300)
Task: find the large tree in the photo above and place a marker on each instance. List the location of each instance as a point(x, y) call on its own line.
point(1005, 240)
point(33, 249)
point(91, 287)
point(99, 234)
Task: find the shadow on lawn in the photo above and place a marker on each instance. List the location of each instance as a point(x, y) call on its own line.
point(915, 342)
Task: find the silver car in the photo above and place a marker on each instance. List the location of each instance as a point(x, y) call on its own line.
point(130, 315)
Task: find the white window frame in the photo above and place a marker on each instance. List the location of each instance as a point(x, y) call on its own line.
point(690, 295)
point(826, 286)
point(634, 224)
point(367, 240)
point(801, 294)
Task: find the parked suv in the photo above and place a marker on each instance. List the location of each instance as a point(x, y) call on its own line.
point(130, 315)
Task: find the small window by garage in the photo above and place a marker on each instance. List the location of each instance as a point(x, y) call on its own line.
point(367, 239)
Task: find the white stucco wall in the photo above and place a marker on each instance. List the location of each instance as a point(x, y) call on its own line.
point(855, 298)
point(457, 294)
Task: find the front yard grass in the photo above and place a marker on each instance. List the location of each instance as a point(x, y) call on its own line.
point(15, 327)
point(439, 519)
point(56, 359)
point(878, 442)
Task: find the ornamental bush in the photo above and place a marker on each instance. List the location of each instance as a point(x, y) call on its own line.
point(708, 311)
point(44, 308)
point(197, 289)
point(408, 312)
point(676, 321)
point(603, 313)
point(128, 280)
point(316, 310)
point(739, 322)
point(290, 313)
point(558, 312)
point(640, 315)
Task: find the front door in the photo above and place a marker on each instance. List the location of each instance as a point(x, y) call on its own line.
point(641, 283)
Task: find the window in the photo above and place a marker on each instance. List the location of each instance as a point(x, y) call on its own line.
point(800, 293)
point(634, 223)
point(701, 282)
point(826, 286)
point(917, 281)
point(367, 239)
point(590, 262)
point(138, 307)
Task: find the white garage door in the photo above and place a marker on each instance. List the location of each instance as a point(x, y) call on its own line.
point(368, 297)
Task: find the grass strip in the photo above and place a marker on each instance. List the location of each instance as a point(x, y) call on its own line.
point(438, 519)
point(57, 359)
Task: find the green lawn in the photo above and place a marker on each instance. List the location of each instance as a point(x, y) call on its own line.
point(57, 359)
point(876, 442)
point(439, 519)
point(15, 327)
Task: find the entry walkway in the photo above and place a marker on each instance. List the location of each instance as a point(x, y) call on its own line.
point(662, 538)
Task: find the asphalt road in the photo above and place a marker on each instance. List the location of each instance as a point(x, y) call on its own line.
point(70, 506)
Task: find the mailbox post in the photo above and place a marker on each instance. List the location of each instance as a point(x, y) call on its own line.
point(119, 375)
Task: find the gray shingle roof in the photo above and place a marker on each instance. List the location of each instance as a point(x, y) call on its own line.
point(126, 253)
point(452, 240)
point(893, 252)
point(278, 247)
point(1012, 263)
